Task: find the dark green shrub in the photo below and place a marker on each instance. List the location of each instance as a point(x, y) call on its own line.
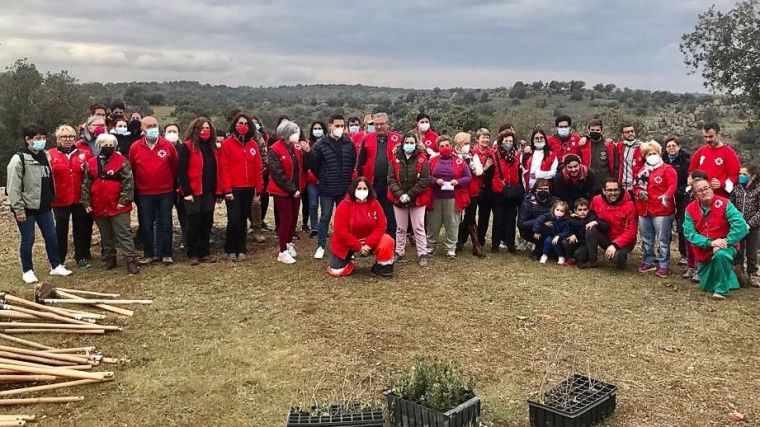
point(440, 385)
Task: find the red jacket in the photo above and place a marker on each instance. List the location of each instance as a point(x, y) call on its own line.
point(546, 166)
point(84, 147)
point(621, 217)
point(240, 166)
point(663, 181)
point(502, 170)
point(461, 193)
point(106, 187)
point(714, 226)
point(286, 162)
point(356, 223)
point(369, 143)
point(357, 138)
point(155, 170)
point(67, 175)
point(428, 139)
point(570, 146)
point(311, 177)
point(477, 181)
point(195, 170)
point(425, 198)
point(720, 163)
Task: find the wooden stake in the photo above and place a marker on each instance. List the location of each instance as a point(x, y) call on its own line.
point(107, 307)
point(35, 400)
point(46, 315)
point(43, 360)
point(96, 301)
point(63, 357)
point(40, 307)
point(11, 423)
point(58, 325)
point(81, 292)
point(26, 342)
point(71, 350)
point(27, 378)
point(60, 372)
point(19, 417)
point(49, 387)
point(54, 331)
point(9, 314)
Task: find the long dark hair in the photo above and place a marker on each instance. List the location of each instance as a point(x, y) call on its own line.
point(311, 137)
point(194, 131)
point(355, 183)
point(547, 149)
point(251, 127)
point(263, 132)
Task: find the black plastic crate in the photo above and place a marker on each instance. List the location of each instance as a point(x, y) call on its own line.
point(405, 413)
point(337, 416)
point(578, 401)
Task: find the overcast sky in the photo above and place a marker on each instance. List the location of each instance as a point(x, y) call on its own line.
point(400, 43)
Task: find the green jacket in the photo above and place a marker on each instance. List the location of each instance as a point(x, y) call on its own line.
point(24, 185)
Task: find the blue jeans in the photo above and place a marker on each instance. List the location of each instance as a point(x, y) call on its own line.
point(313, 191)
point(658, 228)
point(47, 228)
point(381, 188)
point(326, 206)
point(549, 247)
point(155, 212)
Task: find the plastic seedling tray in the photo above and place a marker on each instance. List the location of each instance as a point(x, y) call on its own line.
point(578, 401)
point(337, 416)
point(405, 413)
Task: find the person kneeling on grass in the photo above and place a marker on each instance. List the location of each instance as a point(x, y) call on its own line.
point(107, 192)
point(360, 227)
point(550, 229)
point(714, 226)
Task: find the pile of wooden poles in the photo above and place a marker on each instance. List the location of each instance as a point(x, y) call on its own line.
point(23, 363)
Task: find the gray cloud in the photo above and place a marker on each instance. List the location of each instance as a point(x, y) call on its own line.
point(414, 43)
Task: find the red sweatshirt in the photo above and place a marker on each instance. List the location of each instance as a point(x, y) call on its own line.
point(154, 169)
point(621, 217)
point(240, 165)
point(67, 175)
point(720, 163)
point(663, 181)
point(570, 146)
point(356, 223)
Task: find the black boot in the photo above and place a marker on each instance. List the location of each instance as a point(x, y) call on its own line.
point(384, 271)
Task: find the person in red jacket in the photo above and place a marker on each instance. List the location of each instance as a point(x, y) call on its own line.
point(197, 170)
point(468, 227)
point(360, 228)
point(565, 141)
point(505, 188)
point(718, 160)
point(654, 192)
point(616, 209)
point(154, 165)
point(67, 164)
point(241, 182)
point(629, 152)
point(286, 183)
point(426, 134)
point(107, 191)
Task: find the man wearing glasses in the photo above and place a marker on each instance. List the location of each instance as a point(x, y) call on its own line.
point(630, 154)
point(615, 207)
point(714, 227)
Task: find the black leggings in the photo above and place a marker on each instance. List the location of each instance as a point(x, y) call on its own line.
point(238, 212)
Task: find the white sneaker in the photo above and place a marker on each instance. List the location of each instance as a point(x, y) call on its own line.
point(502, 245)
point(561, 260)
point(320, 253)
point(60, 271)
point(29, 277)
point(285, 257)
point(292, 250)
point(543, 259)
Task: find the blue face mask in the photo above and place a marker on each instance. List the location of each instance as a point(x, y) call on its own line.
point(258, 126)
point(121, 131)
point(409, 148)
point(318, 133)
point(563, 132)
point(353, 128)
point(743, 179)
point(152, 133)
point(39, 144)
point(370, 128)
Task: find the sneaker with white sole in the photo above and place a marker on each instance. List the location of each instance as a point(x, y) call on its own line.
point(285, 257)
point(60, 270)
point(319, 253)
point(543, 259)
point(292, 250)
point(561, 260)
point(29, 277)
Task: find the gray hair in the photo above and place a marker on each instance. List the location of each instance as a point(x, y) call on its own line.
point(106, 137)
point(89, 122)
point(285, 129)
point(380, 116)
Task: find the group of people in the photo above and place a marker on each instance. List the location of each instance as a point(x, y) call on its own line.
point(566, 194)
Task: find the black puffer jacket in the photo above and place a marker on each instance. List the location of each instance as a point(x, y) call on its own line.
point(681, 165)
point(410, 182)
point(747, 200)
point(333, 161)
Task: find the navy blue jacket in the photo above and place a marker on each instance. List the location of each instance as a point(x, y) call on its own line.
point(530, 209)
point(560, 227)
point(578, 226)
point(333, 162)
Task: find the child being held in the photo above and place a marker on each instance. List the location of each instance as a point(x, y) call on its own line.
point(551, 228)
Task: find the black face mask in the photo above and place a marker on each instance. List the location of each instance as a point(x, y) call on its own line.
point(135, 124)
point(542, 195)
point(595, 136)
point(107, 152)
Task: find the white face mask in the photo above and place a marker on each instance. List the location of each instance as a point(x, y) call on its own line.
point(294, 137)
point(653, 160)
point(172, 137)
point(361, 194)
point(466, 149)
point(559, 213)
point(539, 145)
point(423, 127)
point(337, 132)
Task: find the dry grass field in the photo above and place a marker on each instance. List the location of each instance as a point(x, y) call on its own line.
point(235, 344)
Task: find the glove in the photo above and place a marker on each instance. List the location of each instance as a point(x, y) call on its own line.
point(664, 200)
point(404, 198)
